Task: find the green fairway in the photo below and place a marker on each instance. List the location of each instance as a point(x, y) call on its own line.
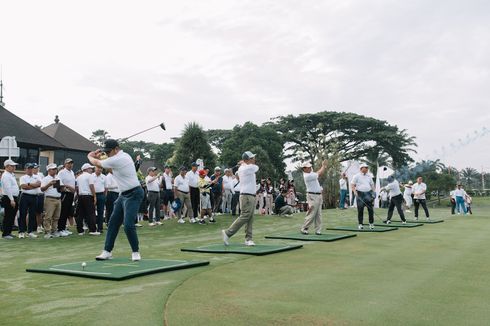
point(431, 275)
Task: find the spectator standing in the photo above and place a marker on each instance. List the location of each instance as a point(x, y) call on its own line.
point(112, 195)
point(87, 200)
point(153, 186)
point(460, 195)
point(193, 177)
point(343, 190)
point(228, 179)
point(51, 187)
point(100, 184)
point(40, 199)
point(28, 202)
point(10, 198)
point(181, 187)
point(67, 178)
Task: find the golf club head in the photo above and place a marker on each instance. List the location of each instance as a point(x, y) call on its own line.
point(162, 125)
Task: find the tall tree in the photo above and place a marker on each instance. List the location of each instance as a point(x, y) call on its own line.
point(354, 136)
point(193, 145)
point(470, 178)
point(99, 136)
point(251, 137)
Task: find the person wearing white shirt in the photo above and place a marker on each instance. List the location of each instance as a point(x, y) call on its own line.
point(40, 199)
point(460, 196)
point(168, 191)
point(362, 186)
point(127, 204)
point(67, 177)
point(314, 197)
point(51, 187)
point(407, 195)
point(112, 194)
point(87, 200)
point(28, 202)
point(246, 173)
point(343, 190)
point(153, 186)
point(192, 177)
point(181, 187)
point(100, 185)
point(396, 199)
point(227, 191)
point(10, 198)
point(419, 189)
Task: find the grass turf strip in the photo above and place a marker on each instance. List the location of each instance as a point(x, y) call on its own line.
point(328, 237)
point(258, 250)
point(365, 229)
point(399, 225)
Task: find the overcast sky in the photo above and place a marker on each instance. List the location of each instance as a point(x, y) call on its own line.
point(124, 66)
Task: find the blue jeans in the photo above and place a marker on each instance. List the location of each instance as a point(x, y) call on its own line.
point(100, 210)
point(460, 204)
point(343, 195)
point(125, 210)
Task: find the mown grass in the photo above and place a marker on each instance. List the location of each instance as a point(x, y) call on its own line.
point(431, 275)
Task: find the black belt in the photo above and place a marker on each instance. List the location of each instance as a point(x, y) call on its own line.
point(182, 191)
point(155, 192)
point(86, 196)
point(24, 194)
point(53, 197)
point(40, 194)
point(245, 194)
point(314, 193)
point(127, 192)
point(99, 193)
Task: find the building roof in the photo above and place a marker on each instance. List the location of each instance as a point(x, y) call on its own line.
point(12, 125)
point(68, 137)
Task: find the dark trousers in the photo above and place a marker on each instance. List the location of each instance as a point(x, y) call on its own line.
point(417, 203)
point(216, 203)
point(364, 199)
point(27, 203)
point(9, 215)
point(195, 200)
point(453, 206)
point(66, 209)
point(235, 199)
point(396, 201)
point(86, 212)
point(343, 196)
point(154, 209)
point(101, 198)
point(109, 204)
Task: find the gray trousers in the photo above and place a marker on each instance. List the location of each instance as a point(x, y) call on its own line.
point(314, 214)
point(154, 201)
point(247, 208)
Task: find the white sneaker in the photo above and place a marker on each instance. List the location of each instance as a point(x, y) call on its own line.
point(48, 236)
point(94, 233)
point(181, 221)
point(32, 235)
point(193, 220)
point(138, 225)
point(81, 233)
point(408, 211)
point(151, 224)
point(371, 226)
point(158, 223)
point(105, 255)
point(249, 243)
point(68, 232)
point(56, 234)
point(226, 238)
point(388, 222)
point(404, 222)
point(40, 229)
point(360, 227)
point(318, 233)
point(22, 235)
point(428, 219)
point(135, 256)
point(64, 233)
point(304, 231)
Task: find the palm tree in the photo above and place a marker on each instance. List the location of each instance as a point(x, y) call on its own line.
point(470, 178)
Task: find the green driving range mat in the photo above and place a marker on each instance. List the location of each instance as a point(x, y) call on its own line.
point(397, 224)
point(235, 248)
point(366, 229)
point(311, 237)
point(423, 221)
point(117, 269)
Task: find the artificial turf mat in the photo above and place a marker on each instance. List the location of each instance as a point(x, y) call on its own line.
point(234, 248)
point(117, 269)
point(311, 237)
point(423, 221)
point(399, 224)
point(366, 229)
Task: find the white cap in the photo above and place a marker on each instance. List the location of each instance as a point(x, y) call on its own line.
point(410, 182)
point(248, 155)
point(87, 166)
point(9, 162)
point(217, 168)
point(306, 165)
point(363, 165)
point(51, 166)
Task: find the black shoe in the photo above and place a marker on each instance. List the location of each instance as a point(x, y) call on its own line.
point(212, 220)
point(202, 222)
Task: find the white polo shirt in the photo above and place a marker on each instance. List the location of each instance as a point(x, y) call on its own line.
point(51, 191)
point(67, 177)
point(111, 183)
point(343, 184)
point(167, 180)
point(393, 188)
point(228, 182)
point(246, 173)
point(416, 188)
point(192, 178)
point(29, 179)
point(153, 185)
point(312, 183)
point(459, 192)
point(100, 182)
point(84, 181)
point(40, 177)
point(10, 187)
point(363, 182)
point(181, 183)
point(123, 170)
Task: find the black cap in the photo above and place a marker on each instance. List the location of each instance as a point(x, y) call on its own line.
point(29, 165)
point(183, 168)
point(109, 145)
point(194, 164)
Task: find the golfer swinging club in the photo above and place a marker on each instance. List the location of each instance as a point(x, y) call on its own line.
point(363, 187)
point(127, 204)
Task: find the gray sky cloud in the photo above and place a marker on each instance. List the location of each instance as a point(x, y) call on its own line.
point(122, 67)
